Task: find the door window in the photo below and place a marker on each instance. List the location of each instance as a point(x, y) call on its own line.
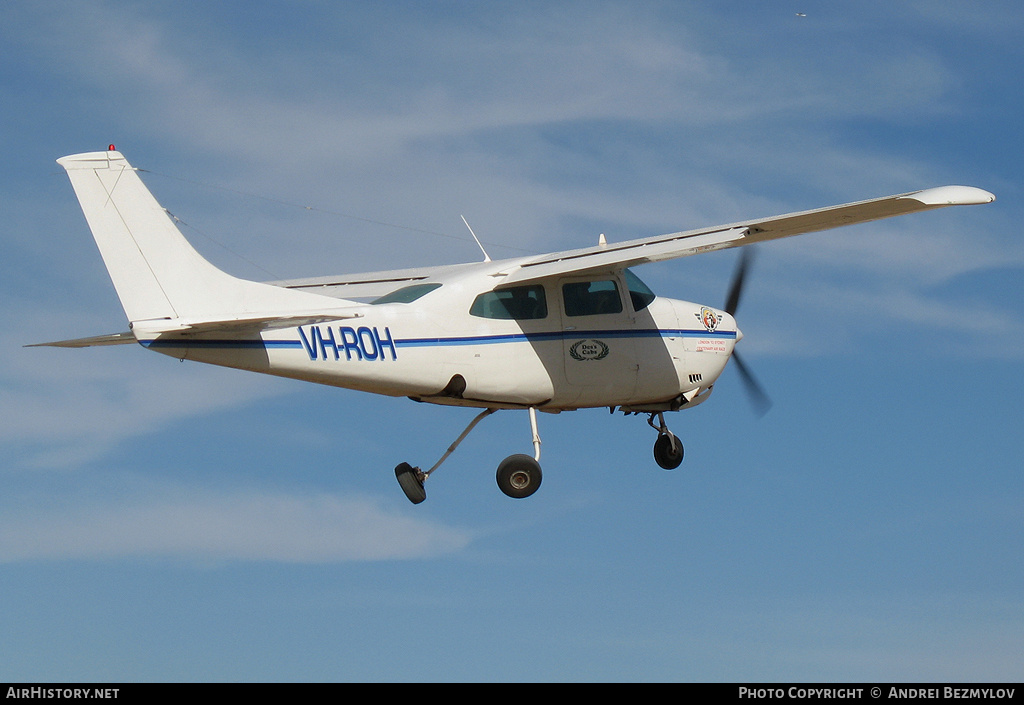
point(591, 298)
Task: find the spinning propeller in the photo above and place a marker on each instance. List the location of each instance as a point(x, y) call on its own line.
point(758, 398)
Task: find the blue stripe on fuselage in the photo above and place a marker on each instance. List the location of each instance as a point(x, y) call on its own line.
point(257, 344)
point(561, 335)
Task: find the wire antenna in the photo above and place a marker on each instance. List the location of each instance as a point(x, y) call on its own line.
point(487, 257)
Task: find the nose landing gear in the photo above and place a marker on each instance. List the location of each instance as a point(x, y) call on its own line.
point(668, 450)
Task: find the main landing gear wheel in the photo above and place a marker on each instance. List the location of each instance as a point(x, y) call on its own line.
point(519, 476)
point(668, 451)
point(411, 482)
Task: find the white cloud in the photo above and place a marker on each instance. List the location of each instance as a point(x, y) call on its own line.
point(454, 78)
point(199, 525)
point(69, 406)
point(440, 115)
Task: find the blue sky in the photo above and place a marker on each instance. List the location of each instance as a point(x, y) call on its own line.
point(166, 521)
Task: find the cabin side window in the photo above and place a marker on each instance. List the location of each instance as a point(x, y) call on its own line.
point(519, 303)
point(591, 298)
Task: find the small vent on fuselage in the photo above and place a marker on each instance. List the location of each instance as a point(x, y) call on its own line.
point(694, 378)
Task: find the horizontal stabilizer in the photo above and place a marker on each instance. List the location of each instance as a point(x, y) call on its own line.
point(111, 339)
point(251, 324)
point(147, 330)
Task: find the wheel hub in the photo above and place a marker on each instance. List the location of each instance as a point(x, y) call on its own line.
point(520, 479)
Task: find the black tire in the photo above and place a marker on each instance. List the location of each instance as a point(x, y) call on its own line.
point(410, 483)
point(519, 476)
point(664, 454)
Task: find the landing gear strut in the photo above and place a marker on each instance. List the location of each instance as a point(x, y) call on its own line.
point(668, 450)
point(518, 475)
point(411, 479)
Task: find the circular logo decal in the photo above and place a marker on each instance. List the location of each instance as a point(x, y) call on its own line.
point(709, 318)
point(588, 350)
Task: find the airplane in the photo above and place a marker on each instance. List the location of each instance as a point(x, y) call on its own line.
point(555, 332)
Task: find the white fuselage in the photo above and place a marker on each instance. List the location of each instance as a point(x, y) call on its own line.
point(663, 356)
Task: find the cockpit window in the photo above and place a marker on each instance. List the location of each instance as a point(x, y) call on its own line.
point(639, 293)
point(518, 302)
point(407, 294)
point(591, 298)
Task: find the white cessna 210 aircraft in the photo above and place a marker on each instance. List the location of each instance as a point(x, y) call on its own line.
point(555, 332)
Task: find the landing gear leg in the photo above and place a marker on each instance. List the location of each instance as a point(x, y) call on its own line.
point(668, 450)
point(411, 479)
point(536, 435)
point(519, 475)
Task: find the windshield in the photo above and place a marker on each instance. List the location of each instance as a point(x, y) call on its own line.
point(406, 295)
point(639, 293)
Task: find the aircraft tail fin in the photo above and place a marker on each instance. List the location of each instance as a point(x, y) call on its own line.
point(157, 274)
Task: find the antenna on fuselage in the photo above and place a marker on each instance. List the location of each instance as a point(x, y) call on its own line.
point(487, 257)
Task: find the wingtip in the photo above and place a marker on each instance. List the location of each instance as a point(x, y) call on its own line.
point(952, 196)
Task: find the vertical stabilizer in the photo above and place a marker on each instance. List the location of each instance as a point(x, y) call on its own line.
point(156, 272)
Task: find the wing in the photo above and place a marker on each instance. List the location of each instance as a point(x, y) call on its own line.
point(684, 244)
point(371, 285)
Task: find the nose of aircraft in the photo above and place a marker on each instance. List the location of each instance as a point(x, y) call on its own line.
point(728, 322)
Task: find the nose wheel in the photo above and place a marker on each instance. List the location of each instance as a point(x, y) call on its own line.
point(668, 450)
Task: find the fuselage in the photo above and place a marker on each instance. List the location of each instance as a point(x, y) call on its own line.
point(602, 340)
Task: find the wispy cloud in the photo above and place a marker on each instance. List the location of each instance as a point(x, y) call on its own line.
point(65, 407)
point(197, 524)
point(485, 112)
point(493, 71)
